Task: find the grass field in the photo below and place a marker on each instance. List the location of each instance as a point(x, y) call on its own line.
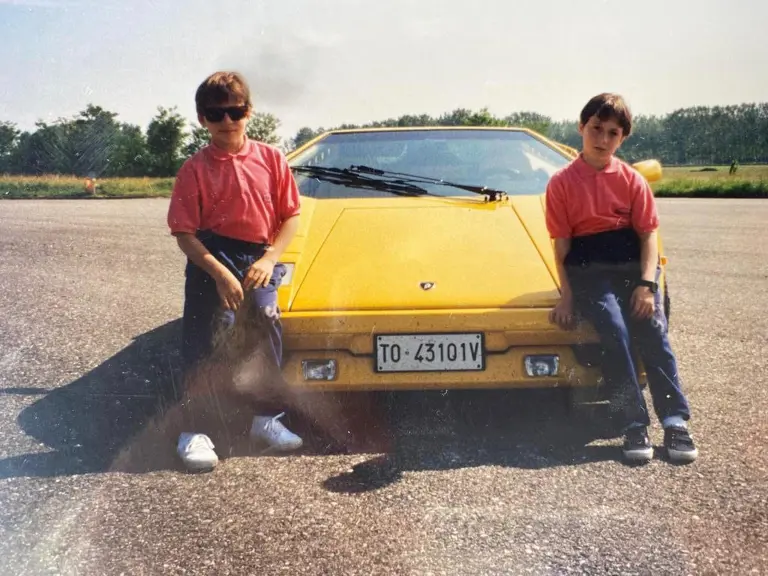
point(678, 181)
point(15, 187)
point(713, 182)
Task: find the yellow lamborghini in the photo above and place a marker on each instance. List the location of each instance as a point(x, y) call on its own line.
point(423, 261)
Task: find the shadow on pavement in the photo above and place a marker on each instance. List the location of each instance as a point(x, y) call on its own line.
point(530, 429)
point(85, 423)
point(124, 416)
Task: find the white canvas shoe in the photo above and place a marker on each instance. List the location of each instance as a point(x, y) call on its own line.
point(196, 451)
point(271, 430)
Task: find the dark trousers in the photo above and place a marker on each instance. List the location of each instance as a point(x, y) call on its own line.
point(203, 312)
point(603, 270)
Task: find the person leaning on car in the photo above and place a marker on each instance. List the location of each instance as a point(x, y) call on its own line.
point(234, 209)
point(602, 216)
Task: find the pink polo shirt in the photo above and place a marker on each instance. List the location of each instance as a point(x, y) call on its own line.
point(581, 200)
point(246, 195)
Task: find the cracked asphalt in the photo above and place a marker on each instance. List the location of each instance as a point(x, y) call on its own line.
point(456, 483)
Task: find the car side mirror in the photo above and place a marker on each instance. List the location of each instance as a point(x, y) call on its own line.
point(650, 169)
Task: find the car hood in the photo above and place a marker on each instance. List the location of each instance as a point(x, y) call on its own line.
point(423, 253)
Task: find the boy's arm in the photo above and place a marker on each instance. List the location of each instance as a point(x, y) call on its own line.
point(228, 287)
point(284, 237)
point(200, 256)
point(643, 301)
point(645, 220)
point(260, 273)
point(183, 221)
point(562, 313)
point(562, 247)
point(649, 255)
point(560, 231)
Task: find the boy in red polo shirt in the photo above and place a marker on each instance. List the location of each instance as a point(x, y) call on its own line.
point(233, 211)
point(602, 216)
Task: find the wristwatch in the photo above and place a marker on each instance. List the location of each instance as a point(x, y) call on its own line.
point(654, 286)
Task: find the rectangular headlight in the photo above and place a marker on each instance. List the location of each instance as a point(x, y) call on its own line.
point(319, 369)
point(542, 365)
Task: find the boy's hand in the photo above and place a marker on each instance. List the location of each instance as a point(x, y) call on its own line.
point(642, 303)
point(562, 314)
point(229, 289)
point(259, 274)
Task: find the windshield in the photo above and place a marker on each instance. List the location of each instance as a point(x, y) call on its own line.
point(508, 160)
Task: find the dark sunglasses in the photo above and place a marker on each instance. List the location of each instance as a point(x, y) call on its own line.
point(235, 113)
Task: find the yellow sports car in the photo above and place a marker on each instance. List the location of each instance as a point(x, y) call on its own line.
point(423, 261)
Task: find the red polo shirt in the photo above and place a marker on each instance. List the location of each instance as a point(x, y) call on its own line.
point(581, 200)
point(246, 195)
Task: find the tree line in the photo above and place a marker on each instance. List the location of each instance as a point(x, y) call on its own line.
point(96, 143)
point(696, 135)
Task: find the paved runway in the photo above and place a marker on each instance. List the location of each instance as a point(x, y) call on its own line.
point(90, 298)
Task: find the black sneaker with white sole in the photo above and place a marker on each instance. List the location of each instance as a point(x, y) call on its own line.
point(637, 446)
point(679, 445)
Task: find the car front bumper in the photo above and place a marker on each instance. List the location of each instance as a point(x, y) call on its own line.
point(510, 335)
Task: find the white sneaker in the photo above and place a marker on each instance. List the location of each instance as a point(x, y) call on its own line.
point(196, 451)
point(272, 431)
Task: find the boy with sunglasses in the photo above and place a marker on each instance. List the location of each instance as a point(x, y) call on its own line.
point(234, 210)
point(602, 216)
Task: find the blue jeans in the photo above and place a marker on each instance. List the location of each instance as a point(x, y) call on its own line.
point(203, 313)
point(602, 291)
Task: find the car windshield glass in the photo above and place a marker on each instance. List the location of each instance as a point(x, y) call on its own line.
point(508, 160)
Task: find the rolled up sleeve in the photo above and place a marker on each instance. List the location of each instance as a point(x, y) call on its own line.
point(184, 209)
point(556, 211)
point(288, 197)
point(645, 217)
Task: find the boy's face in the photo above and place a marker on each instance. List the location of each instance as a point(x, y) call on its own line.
point(601, 138)
point(226, 132)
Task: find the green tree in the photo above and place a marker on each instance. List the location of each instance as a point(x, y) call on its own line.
point(263, 126)
point(130, 156)
point(416, 120)
point(9, 136)
point(646, 141)
point(484, 118)
point(304, 135)
point(43, 151)
point(165, 138)
point(80, 146)
point(198, 138)
point(531, 120)
point(91, 139)
point(565, 132)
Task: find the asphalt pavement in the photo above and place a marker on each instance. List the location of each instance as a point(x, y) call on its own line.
point(480, 483)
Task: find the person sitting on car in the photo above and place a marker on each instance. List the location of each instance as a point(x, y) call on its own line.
point(602, 216)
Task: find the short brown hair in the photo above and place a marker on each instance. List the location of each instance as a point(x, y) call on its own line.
point(608, 105)
point(219, 87)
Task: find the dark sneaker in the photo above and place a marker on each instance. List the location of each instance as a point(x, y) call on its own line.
point(679, 445)
point(637, 446)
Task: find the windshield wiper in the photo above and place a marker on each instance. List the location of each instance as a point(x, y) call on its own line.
point(403, 178)
point(346, 177)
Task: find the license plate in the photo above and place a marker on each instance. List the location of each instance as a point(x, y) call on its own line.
point(429, 352)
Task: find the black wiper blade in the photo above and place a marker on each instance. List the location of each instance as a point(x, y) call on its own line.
point(412, 178)
point(346, 177)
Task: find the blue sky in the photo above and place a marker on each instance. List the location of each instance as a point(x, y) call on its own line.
point(323, 63)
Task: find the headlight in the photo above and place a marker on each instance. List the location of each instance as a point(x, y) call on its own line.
point(542, 365)
point(319, 369)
